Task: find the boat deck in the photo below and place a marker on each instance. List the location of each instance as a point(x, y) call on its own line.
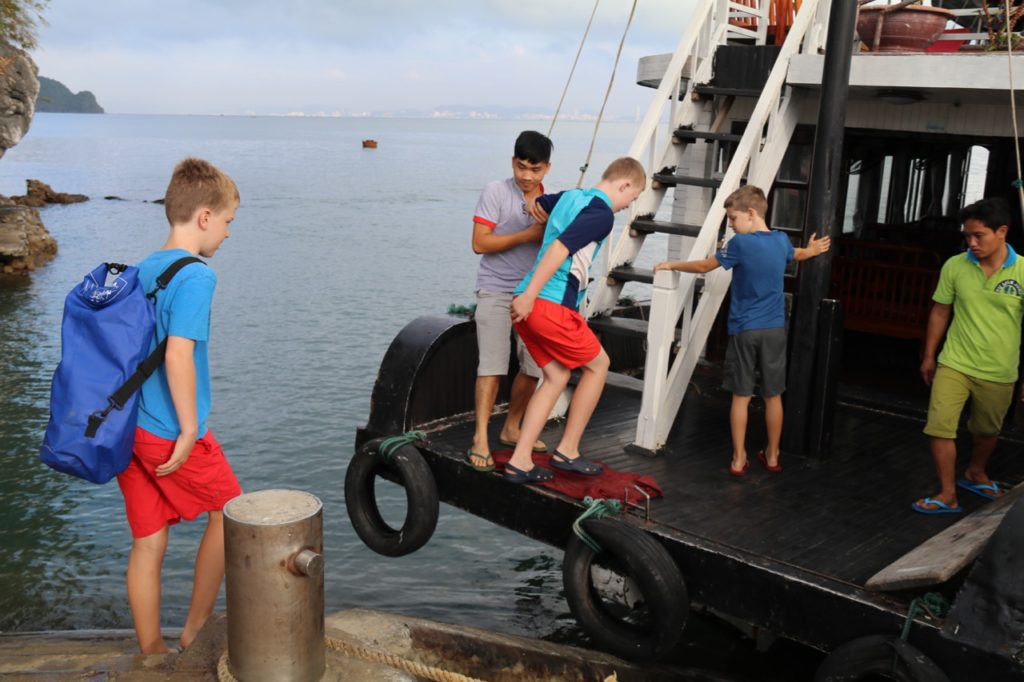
point(789, 553)
point(846, 517)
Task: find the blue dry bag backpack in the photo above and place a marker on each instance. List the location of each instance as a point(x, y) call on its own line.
point(108, 326)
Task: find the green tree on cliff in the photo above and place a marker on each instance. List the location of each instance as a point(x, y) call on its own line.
point(19, 20)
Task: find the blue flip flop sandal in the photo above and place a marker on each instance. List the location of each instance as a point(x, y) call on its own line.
point(514, 474)
point(992, 491)
point(580, 465)
point(940, 507)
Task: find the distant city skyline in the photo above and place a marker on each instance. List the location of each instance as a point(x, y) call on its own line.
point(446, 58)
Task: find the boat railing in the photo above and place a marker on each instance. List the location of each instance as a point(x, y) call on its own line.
point(963, 33)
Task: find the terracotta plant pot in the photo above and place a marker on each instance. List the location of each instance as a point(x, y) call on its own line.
point(908, 29)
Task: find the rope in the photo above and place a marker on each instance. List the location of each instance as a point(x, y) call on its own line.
point(425, 672)
point(598, 509)
point(389, 446)
point(573, 69)
point(421, 671)
point(608, 92)
point(932, 603)
point(1018, 183)
point(456, 309)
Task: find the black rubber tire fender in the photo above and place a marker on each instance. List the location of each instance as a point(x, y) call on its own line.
point(422, 508)
point(657, 576)
point(878, 657)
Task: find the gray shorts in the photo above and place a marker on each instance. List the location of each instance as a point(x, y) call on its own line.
point(753, 350)
point(493, 329)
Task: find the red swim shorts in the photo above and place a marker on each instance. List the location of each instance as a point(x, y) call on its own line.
point(205, 482)
point(554, 332)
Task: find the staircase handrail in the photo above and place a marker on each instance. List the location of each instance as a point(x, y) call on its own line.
point(770, 94)
point(669, 88)
point(700, 26)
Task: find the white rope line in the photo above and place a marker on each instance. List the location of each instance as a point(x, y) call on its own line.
point(573, 69)
point(608, 92)
point(1013, 107)
point(415, 668)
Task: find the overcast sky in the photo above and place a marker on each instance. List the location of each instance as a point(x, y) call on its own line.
point(281, 56)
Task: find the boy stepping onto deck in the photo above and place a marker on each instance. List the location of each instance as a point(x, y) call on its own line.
point(178, 470)
point(757, 317)
point(545, 313)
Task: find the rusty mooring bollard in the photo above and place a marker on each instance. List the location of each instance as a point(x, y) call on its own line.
point(273, 546)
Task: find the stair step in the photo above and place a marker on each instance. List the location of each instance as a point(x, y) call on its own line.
point(684, 134)
point(778, 183)
point(627, 273)
point(726, 92)
point(664, 227)
point(671, 180)
point(624, 326)
point(625, 382)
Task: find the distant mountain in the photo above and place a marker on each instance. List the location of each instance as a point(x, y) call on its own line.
point(54, 96)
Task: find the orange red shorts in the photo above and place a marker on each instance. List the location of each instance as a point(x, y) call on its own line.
point(554, 332)
point(205, 482)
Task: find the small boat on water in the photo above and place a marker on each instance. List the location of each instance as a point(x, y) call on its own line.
point(879, 149)
point(369, 144)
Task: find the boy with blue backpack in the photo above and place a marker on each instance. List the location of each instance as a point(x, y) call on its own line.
point(178, 470)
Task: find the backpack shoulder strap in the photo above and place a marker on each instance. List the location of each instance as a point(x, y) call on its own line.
point(167, 275)
point(118, 398)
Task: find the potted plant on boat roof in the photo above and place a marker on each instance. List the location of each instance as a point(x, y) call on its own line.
point(999, 24)
point(906, 26)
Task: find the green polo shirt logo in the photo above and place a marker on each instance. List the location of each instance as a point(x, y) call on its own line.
point(983, 340)
point(1008, 286)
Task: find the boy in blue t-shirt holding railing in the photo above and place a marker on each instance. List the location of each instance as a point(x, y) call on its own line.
point(757, 317)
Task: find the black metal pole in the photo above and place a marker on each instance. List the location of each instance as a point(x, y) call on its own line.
point(820, 218)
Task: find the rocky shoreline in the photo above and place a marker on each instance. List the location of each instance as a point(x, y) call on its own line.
point(25, 243)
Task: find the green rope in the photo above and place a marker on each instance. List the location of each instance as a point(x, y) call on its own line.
point(598, 509)
point(455, 309)
point(933, 603)
point(389, 446)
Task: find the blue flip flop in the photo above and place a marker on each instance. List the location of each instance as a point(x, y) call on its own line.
point(940, 507)
point(995, 491)
point(514, 474)
point(576, 466)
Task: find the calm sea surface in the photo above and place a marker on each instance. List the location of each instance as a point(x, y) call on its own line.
point(334, 250)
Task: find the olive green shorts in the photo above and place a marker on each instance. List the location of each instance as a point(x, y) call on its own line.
point(951, 390)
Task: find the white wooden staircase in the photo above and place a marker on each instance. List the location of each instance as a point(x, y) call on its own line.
point(698, 114)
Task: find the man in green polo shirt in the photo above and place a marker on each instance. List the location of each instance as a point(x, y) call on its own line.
point(982, 291)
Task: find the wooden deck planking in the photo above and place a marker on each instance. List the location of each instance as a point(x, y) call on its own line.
point(943, 555)
point(846, 517)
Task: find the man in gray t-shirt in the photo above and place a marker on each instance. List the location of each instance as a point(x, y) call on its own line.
point(508, 238)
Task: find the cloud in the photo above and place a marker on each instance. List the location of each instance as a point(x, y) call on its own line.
point(235, 56)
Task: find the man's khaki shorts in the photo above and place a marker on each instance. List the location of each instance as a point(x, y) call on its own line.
point(950, 392)
point(493, 332)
